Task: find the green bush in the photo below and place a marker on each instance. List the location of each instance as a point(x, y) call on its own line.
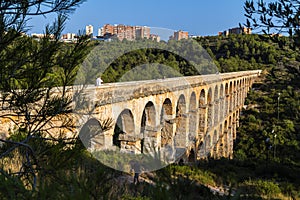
point(262, 187)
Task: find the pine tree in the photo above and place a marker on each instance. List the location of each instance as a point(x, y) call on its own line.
point(30, 71)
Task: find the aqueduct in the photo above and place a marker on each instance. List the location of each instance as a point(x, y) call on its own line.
point(198, 114)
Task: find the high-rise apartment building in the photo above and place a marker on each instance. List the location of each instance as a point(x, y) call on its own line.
point(142, 32)
point(100, 32)
point(155, 37)
point(89, 30)
point(179, 35)
point(240, 30)
point(126, 32)
point(237, 30)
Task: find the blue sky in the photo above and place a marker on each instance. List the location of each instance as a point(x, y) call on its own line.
point(198, 17)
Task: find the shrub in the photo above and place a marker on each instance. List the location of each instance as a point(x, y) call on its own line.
point(262, 187)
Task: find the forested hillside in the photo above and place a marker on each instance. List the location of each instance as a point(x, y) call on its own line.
point(246, 52)
point(34, 165)
point(273, 104)
point(267, 145)
point(266, 159)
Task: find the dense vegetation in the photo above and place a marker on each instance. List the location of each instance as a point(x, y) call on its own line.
point(267, 146)
point(145, 60)
point(274, 101)
point(34, 166)
point(256, 168)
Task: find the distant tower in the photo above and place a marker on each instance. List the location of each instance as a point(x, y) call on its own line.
point(89, 30)
point(100, 32)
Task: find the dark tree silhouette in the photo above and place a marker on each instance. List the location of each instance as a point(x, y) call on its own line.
point(30, 71)
point(281, 16)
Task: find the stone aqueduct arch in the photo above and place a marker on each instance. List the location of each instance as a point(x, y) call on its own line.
point(201, 118)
